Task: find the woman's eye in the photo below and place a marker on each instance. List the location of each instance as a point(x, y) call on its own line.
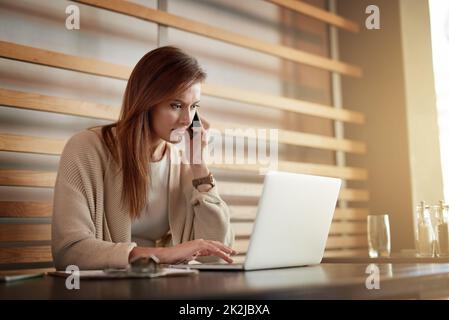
point(179, 106)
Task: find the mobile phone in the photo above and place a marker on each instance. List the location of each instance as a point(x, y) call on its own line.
point(195, 123)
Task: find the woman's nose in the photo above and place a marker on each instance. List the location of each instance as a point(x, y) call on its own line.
point(185, 117)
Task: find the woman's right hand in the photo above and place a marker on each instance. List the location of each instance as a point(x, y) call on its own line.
point(188, 251)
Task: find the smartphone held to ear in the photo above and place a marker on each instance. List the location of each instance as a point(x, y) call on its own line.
point(196, 123)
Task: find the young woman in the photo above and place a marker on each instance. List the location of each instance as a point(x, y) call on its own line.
point(124, 190)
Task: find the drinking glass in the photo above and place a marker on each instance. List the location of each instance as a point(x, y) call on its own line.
point(379, 243)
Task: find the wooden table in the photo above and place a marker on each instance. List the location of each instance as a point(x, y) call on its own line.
point(325, 281)
point(394, 258)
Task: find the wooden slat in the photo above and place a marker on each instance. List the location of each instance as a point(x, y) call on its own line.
point(255, 190)
point(27, 178)
point(348, 228)
point(353, 195)
point(39, 102)
point(351, 214)
point(240, 189)
point(31, 254)
point(318, 13)
point(242, 212)
point(170, 20)
point(346, 242)
point(322, 142)
point(25, 232)
point(25, 209)
point(346, 253)
point(348, 173)
point(75, 63)
point(64, 61)
point(334, 242)
point(249, 213)
point(293, 138)
point(244, 229)
point(29, 144)
point(282, 103)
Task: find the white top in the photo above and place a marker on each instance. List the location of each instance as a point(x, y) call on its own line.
point(153, 221)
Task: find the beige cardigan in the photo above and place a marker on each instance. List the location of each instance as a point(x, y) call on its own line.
point(91, 228)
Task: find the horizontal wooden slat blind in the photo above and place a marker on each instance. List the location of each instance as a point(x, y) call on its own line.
point(285, 104)
point(41, 179)
point(100, 68)
point(244, 229)
point(32, 209)
point(42, 232)
point(348, 231)
point(46, 179)
point(248, 212)
point(46, 103)
point(347, 173)
point(318, 13)
point(334, 242)
point(170, 20)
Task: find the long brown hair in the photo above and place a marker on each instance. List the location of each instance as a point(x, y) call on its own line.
point(160, 74)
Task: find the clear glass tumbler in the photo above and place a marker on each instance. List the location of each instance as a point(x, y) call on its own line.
point(379, 243)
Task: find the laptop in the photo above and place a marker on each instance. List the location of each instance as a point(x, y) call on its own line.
point(293, 220)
